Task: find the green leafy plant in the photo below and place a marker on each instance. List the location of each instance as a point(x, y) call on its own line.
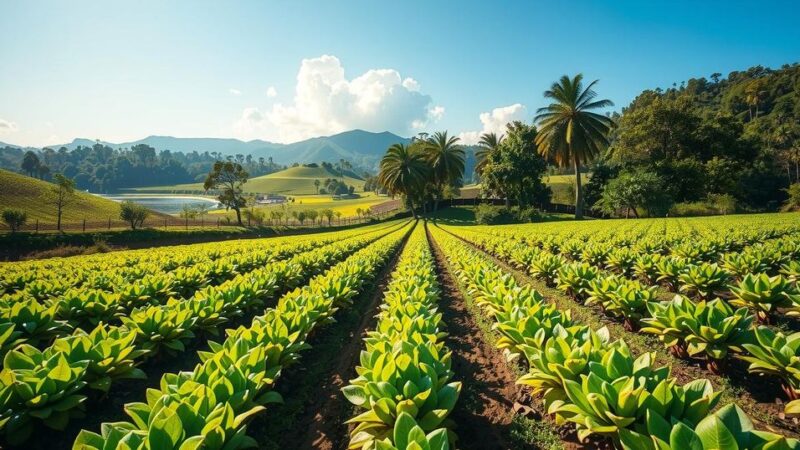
point(778, 355)
point(39, 386)
point(703, 280)
point(728, 427)
point(764, 295)
point(711, 329)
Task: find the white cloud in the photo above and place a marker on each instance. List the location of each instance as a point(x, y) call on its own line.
point(326, 102)
point(7, 127)
point(272, 92)
point(235, 92)
point(495, 122)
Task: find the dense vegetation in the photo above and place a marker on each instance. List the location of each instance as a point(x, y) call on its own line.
point(706, 141)
point(74, 330)
point(101, 168)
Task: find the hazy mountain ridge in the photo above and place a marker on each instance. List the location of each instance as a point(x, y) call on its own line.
point(358, 146)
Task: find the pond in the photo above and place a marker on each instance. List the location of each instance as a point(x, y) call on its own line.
point(168, 204)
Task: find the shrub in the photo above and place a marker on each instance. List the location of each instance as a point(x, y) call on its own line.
point(490, 215)
point(15, 219)
point(793, 202)
point(133, 213)
point(528, 214)
point(493, 215)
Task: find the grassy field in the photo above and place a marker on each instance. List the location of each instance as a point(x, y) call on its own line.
point(33, 196)
point(292, 181)
point(319, 202)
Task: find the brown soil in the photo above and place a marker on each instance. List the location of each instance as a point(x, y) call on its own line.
point(320, 423)
point(484, 412)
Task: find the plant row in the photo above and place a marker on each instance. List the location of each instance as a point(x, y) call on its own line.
point(48, 278)
point(403, 392)
point(48, 386)
point(34, 322)
point(585, 378)
point(210, 406)
point(712, 330)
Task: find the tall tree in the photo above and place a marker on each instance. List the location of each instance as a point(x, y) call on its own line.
point(446, 159)
point(30, 163)
point(228, 177)
point(488, 143)
point(402, 171)
point(569, 132)
point(63, 192)
point(514, 169)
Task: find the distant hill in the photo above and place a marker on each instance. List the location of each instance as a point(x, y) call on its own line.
point(360, 147)
point(292, 181)
point(33, 196)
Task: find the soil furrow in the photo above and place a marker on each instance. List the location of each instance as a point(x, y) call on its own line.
point(314, 410)
point(484, 413)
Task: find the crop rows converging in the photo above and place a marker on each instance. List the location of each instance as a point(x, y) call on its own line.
point(713, 293)
point(63, 348)
point(585, 377)
point(563, 322)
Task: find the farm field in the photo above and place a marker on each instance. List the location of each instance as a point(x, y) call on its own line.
point(346, 207)
point(637, 334)
point(292, 181)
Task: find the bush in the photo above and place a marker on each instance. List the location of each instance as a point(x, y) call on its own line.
point(793, 202)
point(14, 218)
point(493, 215)
point(713, 205)
point(527, 214)
point(133, 213)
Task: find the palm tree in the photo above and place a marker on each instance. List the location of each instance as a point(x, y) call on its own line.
point(569, 132)
point(488, 144)
point(402, 171)
point(446, 159)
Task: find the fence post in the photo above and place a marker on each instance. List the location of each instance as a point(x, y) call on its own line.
point(187, 223)
point(84, 224)
point(109, 223)
point(217, 222)
point(37, 225)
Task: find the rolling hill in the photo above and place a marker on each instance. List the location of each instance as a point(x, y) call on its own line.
point(33, 196)
point(292, 181)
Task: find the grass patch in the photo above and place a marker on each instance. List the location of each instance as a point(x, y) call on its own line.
point(292, 181)
point(34, 198)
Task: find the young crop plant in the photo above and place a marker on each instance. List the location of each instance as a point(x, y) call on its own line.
point(764, 295)
point(704, 280)
point(777, 355)
point(545, 266)
point(574, 278)
point(728, 427)
point(702, 329)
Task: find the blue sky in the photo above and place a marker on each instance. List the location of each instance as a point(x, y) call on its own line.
point(287, 70)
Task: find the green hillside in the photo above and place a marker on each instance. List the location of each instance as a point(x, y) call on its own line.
point(33, 196)
point(292, 181)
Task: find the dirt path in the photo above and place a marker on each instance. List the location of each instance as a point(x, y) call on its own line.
point(314, 412)
point(484, 412)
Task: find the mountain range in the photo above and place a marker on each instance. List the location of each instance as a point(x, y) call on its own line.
point(360, 147)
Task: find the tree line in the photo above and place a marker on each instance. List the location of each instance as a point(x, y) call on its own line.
point(101, 168)
point(719, 146)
